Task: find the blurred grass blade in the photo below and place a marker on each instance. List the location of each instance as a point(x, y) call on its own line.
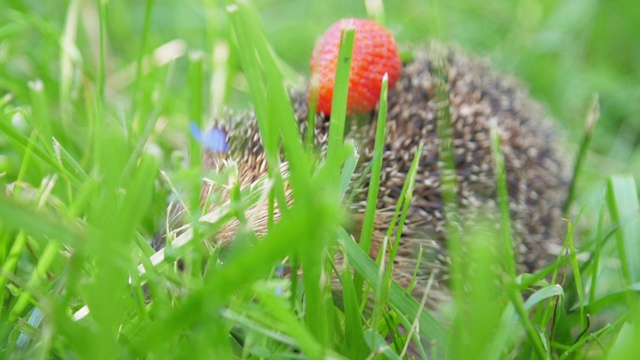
point(98, 101)
point(279, 308)
point(533, 334)
point(245, 321)
point(64, 157)
point(220, 78)
point(577, 276)
point(251, 68)
point(37, 279)
point(448, 179)
point(510, 326)
point(509, 259)
point(339, 101)
point(543, 294)
point(376, 169)
point(378, 345)
point(485, 293)
point(402, 208)
point(10, 262)
point(505, 335)
point(144, 40)
point(430, 327)
point(40, 116)
point(31, 146)
point(282, 121)
point(196, 97)
point(19, 217)
point(150, 122)
point(375, 10)
point(348, 170)
point(600, 334)
point(503, 201)
point(311, 115)
point(245, 42)
point(622, 199)
point(281, 240)
point(354, 336)
point(592, 118)
point(626, 345)
point(597, 253)
point(70, 55)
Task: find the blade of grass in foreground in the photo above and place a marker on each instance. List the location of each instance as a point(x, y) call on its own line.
point(597, 254)
point(281, 240)
point(144, 40)
point(245, 42)
point(448, 180)
point(40, 109)
point(195, 76)
point(385, 258)
point(278, 306)
point(485, 295)
point(375, 10)
point(32, 147)
point(503, 201)
point(622, 199)
point(36, 280)
point(348, 169)
point(98, 102)
point(592, 117)
point(376, 169)
point(430, 327)
point(318, 300)
point(339, 101)
point(507, 245)
point(402, 209)
point(17, 216)
point(279, 120)
point(257, 89)
point(151, 121)
point(353, 345)
point(577, 275)
point(508, 332)
point(311, 115)
point(251, 68)
point(374, 182)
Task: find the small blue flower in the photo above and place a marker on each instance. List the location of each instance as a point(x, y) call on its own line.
point(279, 270)
point(279, 273)
point(214, 139)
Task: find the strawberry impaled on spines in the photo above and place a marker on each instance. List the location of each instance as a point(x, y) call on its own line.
point(375, 53)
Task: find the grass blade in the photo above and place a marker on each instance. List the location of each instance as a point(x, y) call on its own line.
point(348, 170)
point(503, 201)
point(376, 169)
point(339, 101)
point(622, 199)
point(592, 118)
point(430, 327)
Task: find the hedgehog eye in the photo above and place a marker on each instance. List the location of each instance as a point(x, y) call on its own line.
point(214, 139)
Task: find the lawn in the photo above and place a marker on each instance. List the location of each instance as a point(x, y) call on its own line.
point(96, 102)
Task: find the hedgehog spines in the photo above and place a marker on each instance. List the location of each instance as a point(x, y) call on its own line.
point(478, 97)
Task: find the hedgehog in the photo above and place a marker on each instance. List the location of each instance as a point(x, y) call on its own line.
point(479, 98)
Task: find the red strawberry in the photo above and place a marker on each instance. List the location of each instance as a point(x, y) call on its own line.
point(375, 53)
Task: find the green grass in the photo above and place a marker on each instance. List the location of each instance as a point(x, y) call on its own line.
point(95, 101)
